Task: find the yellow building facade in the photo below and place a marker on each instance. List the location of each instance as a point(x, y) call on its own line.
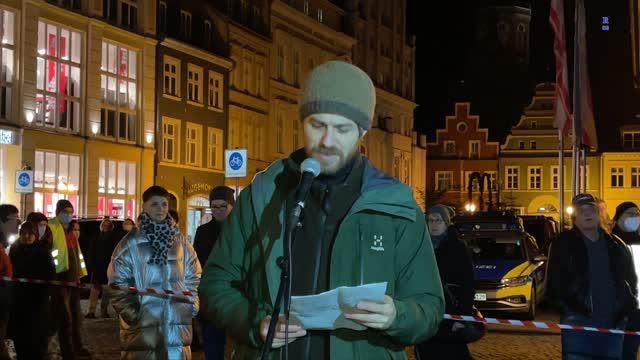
point(86, 105)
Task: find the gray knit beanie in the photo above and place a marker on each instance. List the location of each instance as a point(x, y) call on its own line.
point(337, 87)
point(445, 212)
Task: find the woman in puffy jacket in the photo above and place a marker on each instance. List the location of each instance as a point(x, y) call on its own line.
point(155, 255)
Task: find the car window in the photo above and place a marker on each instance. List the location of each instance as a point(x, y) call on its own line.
point(492, 248)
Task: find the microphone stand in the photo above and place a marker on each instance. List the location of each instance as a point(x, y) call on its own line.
point(284, 290)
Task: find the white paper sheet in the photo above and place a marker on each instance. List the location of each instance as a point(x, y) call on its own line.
point(325, 311)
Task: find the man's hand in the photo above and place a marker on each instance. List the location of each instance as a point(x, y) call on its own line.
point(295, 331)
point(375, 315)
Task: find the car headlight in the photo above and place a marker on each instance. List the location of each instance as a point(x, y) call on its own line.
point(516, 281)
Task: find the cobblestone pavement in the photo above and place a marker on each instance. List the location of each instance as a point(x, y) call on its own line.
point(502, 342)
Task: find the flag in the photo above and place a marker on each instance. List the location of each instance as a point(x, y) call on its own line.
point(584, 122)
point(562, 107)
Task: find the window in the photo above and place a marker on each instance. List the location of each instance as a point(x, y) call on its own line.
point(122, 12)
point(207, 34)
point(493, 175)
point(170, 140)
point(260, 78)
point(281, 60)
point(216, 85)
point(117, 188)
point(118, 79)
point(631, 139)
point(162, 17)
point(320, 16)
point(306, 7)
point(296, 67)
point(635, 177)
point(474, 149)
point(535, 178)
point(215, 148)
point(185, 25)
point(444, 180)
point(194, 83)
point(534, 124)
point(56, 176)
point(533, 145)
point(7, 71)
point(279, 132)
point(475, 187)
point(194, 144)
point(449, 147)
point(521, 145)
point(512, 177)
point(555, 177)
point(171, 76)
point(58, 77)
point(617, 177)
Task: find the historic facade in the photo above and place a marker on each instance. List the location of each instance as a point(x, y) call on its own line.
point(529, 171)
point(78, 86)
point(193, 109)
point(461, 149)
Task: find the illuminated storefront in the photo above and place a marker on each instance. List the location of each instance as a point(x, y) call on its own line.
point(117, 195)
point(56, 176)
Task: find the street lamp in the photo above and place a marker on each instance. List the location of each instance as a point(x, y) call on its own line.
point(470, 207)
point(569, 210)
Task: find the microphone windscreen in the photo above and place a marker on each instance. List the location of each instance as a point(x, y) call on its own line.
point(310, 165)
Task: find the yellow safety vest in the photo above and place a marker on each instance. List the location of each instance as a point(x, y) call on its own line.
point(59, 250)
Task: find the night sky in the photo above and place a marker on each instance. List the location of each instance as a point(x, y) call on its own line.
point(445, 38)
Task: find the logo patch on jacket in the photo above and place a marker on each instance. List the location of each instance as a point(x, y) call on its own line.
point(377, 243)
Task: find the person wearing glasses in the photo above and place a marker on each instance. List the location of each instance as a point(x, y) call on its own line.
point(456, 273)
point(222, 201)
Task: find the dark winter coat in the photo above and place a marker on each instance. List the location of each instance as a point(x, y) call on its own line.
point(568, 275)
point(456, 271)
point(30, 310)
point(206, 237)
point(100, 250)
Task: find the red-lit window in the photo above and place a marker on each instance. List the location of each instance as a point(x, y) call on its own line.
point(117, 189)
point(58, 77)
point(56, 176)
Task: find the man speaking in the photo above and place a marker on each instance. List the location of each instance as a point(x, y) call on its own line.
point(359, 226)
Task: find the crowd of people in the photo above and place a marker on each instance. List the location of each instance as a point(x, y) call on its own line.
point(358, 226)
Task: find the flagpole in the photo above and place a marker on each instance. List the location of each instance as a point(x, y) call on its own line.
point(577, 130)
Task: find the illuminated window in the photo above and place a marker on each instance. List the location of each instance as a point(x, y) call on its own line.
point(171, 76)
point(617, 177)
point(194, 83)
point(535, 178)
point(512, 180)
point(444, 180)
point(216, 95)
point(215, 148)
point(7, 56)
point(117, 188)
point(58, 77)
point(185, 24)
point(119, 85)
point(193, 144)
point(170, 140)
point(56, 176)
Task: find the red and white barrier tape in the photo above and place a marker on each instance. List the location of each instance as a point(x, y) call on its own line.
point(148, 291)
point(187, 295)
point(537, 324)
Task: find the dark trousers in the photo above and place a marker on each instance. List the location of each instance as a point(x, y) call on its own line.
point(68, 318)
point(589, 345)
point(632, 342)
point(213, 340)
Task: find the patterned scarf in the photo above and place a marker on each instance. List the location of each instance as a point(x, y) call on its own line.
point(161, 236)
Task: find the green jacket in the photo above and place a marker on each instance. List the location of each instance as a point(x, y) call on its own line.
point(241, 277)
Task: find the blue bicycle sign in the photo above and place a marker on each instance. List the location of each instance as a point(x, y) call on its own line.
point(236, 161)
point(24, 179)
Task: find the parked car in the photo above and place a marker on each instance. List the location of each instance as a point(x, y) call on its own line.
point(509, 267)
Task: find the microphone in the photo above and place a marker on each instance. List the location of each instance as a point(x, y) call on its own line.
point(310, 169)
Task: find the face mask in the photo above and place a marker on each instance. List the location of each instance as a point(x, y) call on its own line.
point(127, 228)
point(631, 224)
point(41, 230)
point(65, 218)
point(77, 234)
